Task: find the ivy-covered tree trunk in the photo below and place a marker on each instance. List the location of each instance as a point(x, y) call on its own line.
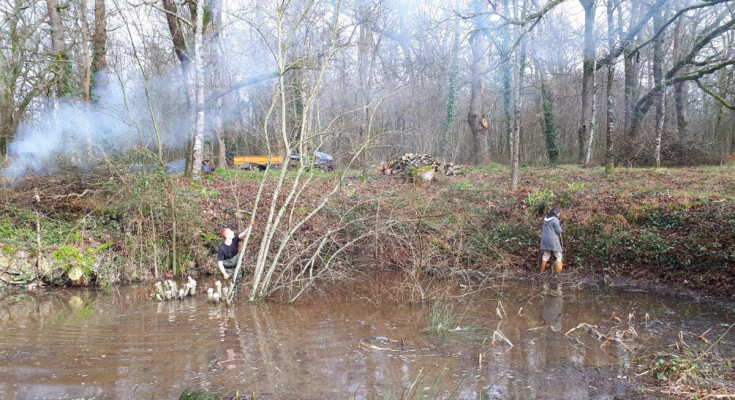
point(452, 97)
point(551, 130)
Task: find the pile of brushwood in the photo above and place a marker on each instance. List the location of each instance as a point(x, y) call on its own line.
point(410, 163)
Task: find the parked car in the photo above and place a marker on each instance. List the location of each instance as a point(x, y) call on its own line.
point(323, 161)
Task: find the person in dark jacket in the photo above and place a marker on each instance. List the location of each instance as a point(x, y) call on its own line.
point(228, 252)
point(551, 239)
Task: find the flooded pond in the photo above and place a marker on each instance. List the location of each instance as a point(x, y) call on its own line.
point(356, 343)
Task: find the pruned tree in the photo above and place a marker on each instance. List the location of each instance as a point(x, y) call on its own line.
point(477, 123)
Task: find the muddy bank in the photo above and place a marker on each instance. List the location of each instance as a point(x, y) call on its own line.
point(671, 226)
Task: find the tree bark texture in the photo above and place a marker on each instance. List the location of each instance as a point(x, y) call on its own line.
point(658, 78)
point(62, 67)
point(478, 125)
point(593, 118)
point(588, 67)
point(99, 46)
point(87, 80)
point(507, 81)
point(520, 69)
point(217, 51)
point(198, 148)
point(629, 66)
point(680, 89)
point(610, 125)
point(187, 75)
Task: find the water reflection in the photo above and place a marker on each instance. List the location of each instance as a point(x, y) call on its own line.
point(83, 344)
point(553, 301)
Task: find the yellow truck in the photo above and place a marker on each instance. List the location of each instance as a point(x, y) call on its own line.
point(320, 160)
point(256, 162)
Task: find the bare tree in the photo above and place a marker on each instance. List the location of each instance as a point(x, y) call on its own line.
point(680, 89)
point(609, 155)
point(658, 78)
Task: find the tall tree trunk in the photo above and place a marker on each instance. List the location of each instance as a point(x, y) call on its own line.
point(680, 90)
point(187, 75)
point(658, 79)
point(629, 67)
point(364, 61)
point(62, 66)
point(198, 148)
point(99, 46)
point(478, 125)
point(217, 7)
point(520, 68)
point(609, 156)
point(452, 95)
point(507, 73)
point(593, 118)
point(588, 70)
point(87, 79)
point(551, 130)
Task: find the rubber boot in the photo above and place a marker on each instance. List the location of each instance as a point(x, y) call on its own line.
point(543, 266)
point(557, 265)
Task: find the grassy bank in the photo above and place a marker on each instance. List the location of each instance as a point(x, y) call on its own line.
point(674, 226)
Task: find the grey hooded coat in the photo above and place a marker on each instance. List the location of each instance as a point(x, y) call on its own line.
point(550, 240)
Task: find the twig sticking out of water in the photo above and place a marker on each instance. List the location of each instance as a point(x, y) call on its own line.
point(498, 336)
point(702, 338)
point(680, 343)
point(614, 316)
point(500, 310)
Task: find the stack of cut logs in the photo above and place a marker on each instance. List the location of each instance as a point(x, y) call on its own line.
point(169, 290)
point(410, 161)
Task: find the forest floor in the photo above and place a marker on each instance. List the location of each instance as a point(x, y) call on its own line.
point(673, 226)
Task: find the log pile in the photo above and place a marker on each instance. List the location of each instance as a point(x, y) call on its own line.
point(411, 163)
point(170, 290)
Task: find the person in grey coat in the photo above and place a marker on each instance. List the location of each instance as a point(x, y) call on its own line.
point(551, 239)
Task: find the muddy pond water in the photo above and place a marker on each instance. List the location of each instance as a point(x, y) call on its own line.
point(351, 343)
